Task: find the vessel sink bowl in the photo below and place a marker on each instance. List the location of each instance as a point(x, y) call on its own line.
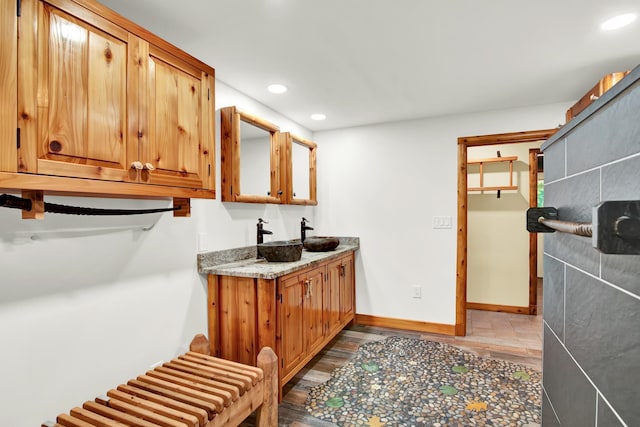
point(280, 251)
point(321, 243)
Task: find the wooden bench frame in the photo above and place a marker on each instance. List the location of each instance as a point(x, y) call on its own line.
point(192, 390)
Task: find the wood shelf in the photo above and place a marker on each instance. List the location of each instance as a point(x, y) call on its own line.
point(481, 162)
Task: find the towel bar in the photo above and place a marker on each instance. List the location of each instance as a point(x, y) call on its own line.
point(615, 228)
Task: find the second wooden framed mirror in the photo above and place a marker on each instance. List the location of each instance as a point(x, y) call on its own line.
point(250, 165)
point(299, 156)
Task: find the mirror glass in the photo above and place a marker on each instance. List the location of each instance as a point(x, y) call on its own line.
point(255, 155)
point(300, 169)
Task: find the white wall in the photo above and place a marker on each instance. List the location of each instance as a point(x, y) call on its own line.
point(385, 183)
point(88, 302)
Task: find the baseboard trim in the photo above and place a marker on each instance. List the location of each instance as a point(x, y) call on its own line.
point(409, 325)
point(501, 308)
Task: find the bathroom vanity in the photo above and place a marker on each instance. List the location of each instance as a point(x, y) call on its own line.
point(296, 308)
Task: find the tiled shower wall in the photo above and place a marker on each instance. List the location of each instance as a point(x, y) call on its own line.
point(591, 355)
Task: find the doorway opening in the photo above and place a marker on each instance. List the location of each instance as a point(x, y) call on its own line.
point(462, 262)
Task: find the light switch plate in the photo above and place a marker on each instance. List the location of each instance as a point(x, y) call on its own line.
point(442, 222)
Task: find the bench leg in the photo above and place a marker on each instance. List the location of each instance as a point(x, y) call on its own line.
point(267, 414)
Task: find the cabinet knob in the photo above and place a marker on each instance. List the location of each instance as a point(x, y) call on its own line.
point(149, 167)
point(137, 165)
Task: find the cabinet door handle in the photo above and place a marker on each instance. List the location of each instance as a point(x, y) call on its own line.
point(306, 289)
point(137, 165)
point(149, 167)
point(310, 288)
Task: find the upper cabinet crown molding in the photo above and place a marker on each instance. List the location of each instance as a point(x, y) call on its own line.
point(104, 107)
point(275, 167)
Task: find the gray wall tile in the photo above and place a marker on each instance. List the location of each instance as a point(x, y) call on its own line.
point(553, 295)
point(609, 135)
point(554, 161)
point(575, 250)
point(606, 417)
point(549, 418)
point(571, 393)
point(621, 181)
point(623, 271)
point(603, 335)
point(574, 198)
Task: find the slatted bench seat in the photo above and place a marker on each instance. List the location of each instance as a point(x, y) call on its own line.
point(192, 390)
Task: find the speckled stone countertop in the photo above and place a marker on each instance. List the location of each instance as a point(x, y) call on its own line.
point(242, 262)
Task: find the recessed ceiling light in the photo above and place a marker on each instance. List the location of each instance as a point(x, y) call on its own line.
point(618, 21)
point(277, 88)
point(318, 116)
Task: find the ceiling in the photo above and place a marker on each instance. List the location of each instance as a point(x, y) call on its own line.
point(370, 61)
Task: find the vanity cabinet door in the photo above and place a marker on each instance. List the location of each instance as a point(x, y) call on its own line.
point(313, 310)
point(73, 100)
point(340, 304)
point(290, 319)
point(348, 289)
point(301, 317)
point(333, 296)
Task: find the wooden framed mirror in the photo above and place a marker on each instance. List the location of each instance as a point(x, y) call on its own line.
point(300, 160)
point(250, 163)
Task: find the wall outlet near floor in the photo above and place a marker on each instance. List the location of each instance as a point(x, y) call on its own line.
point(442, 222)
point(417, 292)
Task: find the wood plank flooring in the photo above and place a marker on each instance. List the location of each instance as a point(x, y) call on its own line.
point(513, 337)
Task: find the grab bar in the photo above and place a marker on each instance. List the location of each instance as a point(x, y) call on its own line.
point(615, 228)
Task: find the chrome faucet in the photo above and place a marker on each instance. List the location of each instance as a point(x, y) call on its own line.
point(261, 231)
point(303, 229)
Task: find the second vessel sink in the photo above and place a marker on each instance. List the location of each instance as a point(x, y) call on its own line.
point(321, 243)
point(280, 251)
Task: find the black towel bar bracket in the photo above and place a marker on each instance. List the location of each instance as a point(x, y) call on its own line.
point(615, 226)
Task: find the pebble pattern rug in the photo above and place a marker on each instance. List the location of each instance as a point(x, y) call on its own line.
point(412, 382)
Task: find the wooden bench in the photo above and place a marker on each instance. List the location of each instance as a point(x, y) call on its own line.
point(192, 390)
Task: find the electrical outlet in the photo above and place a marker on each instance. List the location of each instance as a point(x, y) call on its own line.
point(417, 292)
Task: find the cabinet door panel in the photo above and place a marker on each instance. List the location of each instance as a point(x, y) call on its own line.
point(177, 123)
point(313, 315)
point(82, 101)
point(348, 289)
point(291, 323)
point(333, 297)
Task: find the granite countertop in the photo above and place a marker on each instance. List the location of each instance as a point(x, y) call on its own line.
point(242, 262)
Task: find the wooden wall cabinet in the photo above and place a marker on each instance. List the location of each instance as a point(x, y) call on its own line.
point(103, 100)
point(296, 314)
